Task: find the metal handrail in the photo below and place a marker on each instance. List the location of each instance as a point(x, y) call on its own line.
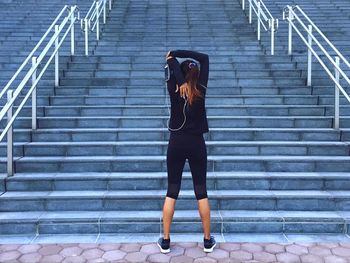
point(56, 42)
point(92, 20)
point(264, 19)
point(290, 14)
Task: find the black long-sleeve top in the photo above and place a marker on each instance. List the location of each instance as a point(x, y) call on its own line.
point(196, 117)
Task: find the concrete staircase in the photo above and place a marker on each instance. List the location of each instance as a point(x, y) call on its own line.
point(96, 164)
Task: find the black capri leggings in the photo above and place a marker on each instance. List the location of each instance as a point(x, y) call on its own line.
point(184, 146)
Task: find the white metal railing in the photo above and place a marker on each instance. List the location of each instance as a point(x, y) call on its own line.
point(264, 19)
point(92, 20)
point(59, 34)
point(290, 14)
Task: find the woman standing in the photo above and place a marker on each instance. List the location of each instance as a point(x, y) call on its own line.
point(187, 84)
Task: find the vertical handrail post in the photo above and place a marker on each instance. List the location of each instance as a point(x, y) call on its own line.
point(9, 137)
point(309, 57)
point(259, 17)
point(110, 5)
point(336, 94)
point(56, 57)
point(104, 12)
point(250, 11)
point(243, 4)
point(86, 37)
point(97, 20)
point(272, 36)
point(34, 95)
point(290, 37)
point(72, 37)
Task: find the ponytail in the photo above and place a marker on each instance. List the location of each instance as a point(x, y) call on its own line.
point(190, 70)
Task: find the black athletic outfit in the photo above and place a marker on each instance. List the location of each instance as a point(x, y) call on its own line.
point(188, 142)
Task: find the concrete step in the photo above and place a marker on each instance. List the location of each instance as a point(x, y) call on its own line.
point(161, 122)
point(124, 64)
point(151, 81)
point(159, 73)
point(223, 221)
point(211, 100)
point(154, 134)
point(158, 181)
point(127, 89)
point(154, 148)
point(163, 110)
point(148, 163)
point(58, 100)
point(145, 200)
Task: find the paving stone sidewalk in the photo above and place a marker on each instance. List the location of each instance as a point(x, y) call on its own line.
point(181, 252)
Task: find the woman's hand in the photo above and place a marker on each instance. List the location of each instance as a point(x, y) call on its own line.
point(183, 90)
point(167, 57)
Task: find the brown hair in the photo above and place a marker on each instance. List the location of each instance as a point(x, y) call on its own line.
point(190, 70)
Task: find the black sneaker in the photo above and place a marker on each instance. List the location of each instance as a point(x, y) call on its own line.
point(164, 245)
point(209, 244)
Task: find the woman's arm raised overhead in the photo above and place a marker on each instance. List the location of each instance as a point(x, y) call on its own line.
point(202, 58)
point(175, 68)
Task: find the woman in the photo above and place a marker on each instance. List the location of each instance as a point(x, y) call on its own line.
point(187, 88)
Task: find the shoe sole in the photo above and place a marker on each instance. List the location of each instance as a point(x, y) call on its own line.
point(209, 250)
point(164, 251)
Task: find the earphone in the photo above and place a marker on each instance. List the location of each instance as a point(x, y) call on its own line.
point(167, 77)
point(192, 64)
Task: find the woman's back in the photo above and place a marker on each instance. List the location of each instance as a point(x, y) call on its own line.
point(196, 119)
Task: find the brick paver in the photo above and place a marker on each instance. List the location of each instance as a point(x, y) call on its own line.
point(181, 252)
point(288, 258)
point(297, 249)
point(274, 248)
point(265, 257)
point(334, 259)
point(241, 255)
point(311, 259)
